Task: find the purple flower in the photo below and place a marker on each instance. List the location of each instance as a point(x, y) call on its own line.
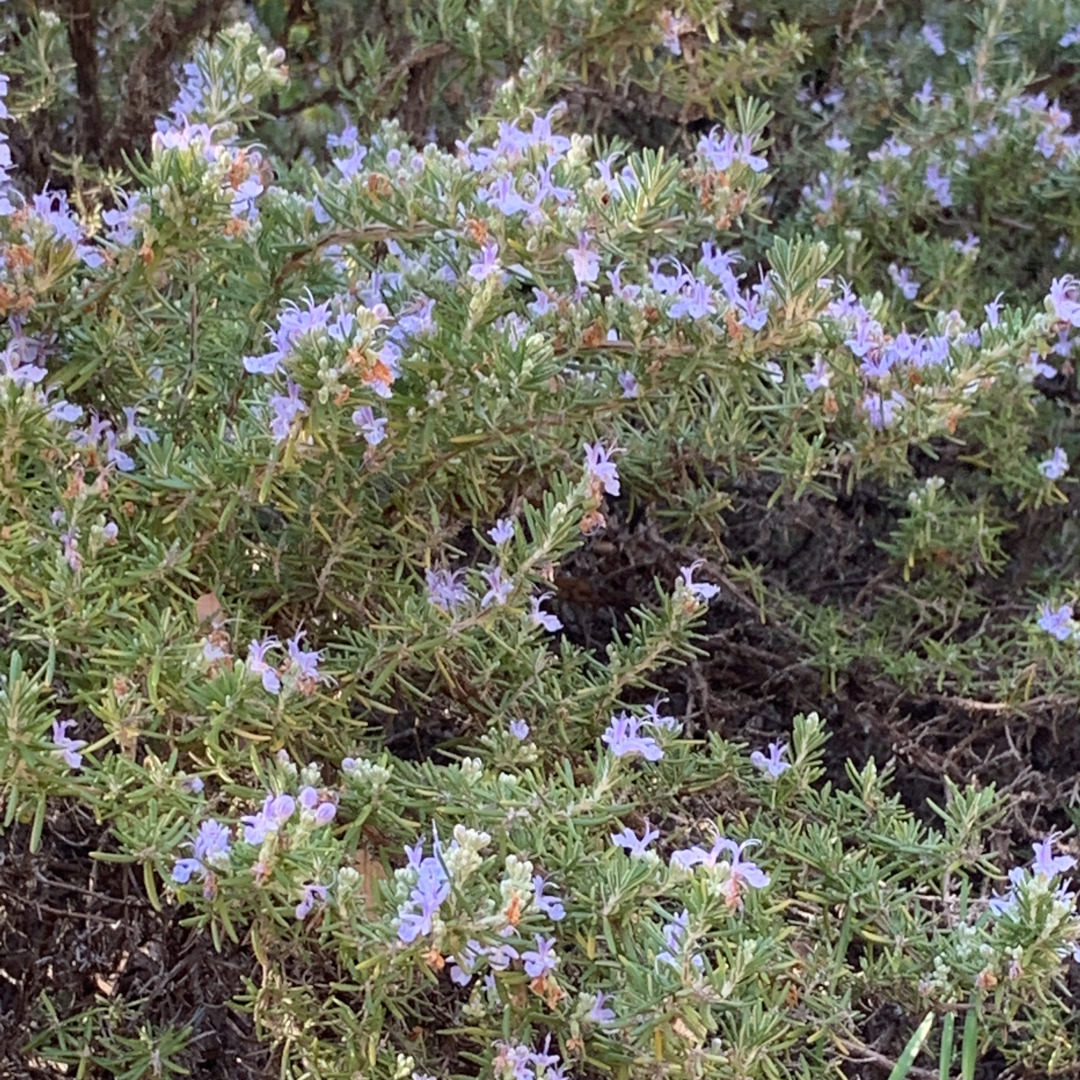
point(502, 532)
point(723, 151)
point(551, 906)
point(124, 223)
point(184, 868)
point(321, 812)
point(70, 542)
point(541, 961)
point(932, 36)
point(276, 811)
point(212, 844)
point(212, 653)
point(628, 383)
point(66, 747)
point(867, 336)
point(882, 411)
point(348, 138)
point(903, 348)
point(702, 591)
point(877, 363)
point(672, 26)
point(311, 894)
point(666, 284)
point(1004, 904)
point(1040, 367)
point(818, 376)
point(294, 325)
point(1057, 621)
point(653, 718)
point(519, 729)
point(1048, 864)
point(549, 622)
point(414, 855)
point(838, 144)
point(627, 293)
point(95, 431)
point(256, 662)
point(622, 738)
point(431, 889)
point(1071, 37)
point(211, 849)
point(740, 871)
point(753, 311)
point(584, 260)
point(719, 264)
point(891, 148)
point(445, 590)
point(52, 210)
point(541, 305)
point(65, 411)
point(633, 844)
point(934, 351)
point(285, 408)
point(120, 458)
point(503, 195)
point(675, 935)
point(546, 188)
point(938, 186)
point(600, 469)
point(598, 1014)
point(925, 94)
point(487, 264)
point(463, 964)
point(695, 300)
point(373, 430)
point(774, 764)
point(1062, 297)
point(138, 431)
point(993, 311)
point(306, 663)
point(902, 279)
point(500, 956)
point(1056, 466)
point(353, 162)
point(499, 589)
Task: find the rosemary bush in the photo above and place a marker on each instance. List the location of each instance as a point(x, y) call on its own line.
point(297, 448)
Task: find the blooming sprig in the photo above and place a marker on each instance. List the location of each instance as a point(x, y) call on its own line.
point(732, 874)
point(67, 748)
point(300, 671)
point(1058, 622)
point(211, 850)
point(633, 844)
point(623, 739)
point(773, 764)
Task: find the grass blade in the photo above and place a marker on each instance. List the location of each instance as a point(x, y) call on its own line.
point(914, 1045)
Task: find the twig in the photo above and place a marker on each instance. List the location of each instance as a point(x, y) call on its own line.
point(914, 1071)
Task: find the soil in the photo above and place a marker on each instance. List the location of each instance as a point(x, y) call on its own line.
point(82, 931)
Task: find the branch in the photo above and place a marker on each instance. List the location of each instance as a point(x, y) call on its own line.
point(82, 41)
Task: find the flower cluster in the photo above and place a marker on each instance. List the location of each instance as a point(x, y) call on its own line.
point(300, 670)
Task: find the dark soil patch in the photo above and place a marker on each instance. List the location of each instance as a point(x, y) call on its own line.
point(758, 673)
point(82, 932)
